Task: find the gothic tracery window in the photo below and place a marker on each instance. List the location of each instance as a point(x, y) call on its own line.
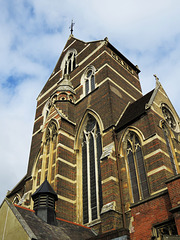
point(168, 117)
point(136, 167)
point(91, 153)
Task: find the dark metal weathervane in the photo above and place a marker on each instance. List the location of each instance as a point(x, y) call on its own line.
point(71, 27)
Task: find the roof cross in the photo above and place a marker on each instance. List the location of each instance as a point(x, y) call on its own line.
point(71, 27)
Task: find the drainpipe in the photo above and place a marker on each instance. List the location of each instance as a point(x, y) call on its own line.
point(119, 177)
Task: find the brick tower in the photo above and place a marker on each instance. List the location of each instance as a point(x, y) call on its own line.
point(111, 154)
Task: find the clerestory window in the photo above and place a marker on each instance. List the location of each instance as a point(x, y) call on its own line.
point(137, 172)
point(91, 176)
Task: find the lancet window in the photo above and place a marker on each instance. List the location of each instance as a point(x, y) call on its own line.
point(91, 153)
point(69, 62)
point(46, 160)
point(137, 172)
point(50, 151)
point(89, 80)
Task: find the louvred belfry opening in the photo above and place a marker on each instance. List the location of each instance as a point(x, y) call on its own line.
point(44, 203)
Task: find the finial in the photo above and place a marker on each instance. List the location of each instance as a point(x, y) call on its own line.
point(71, 27)
point(106, 39)
point(157, 80)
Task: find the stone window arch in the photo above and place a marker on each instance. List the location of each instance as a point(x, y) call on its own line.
point(88, 80)
point(69, 61)
point(135, 167)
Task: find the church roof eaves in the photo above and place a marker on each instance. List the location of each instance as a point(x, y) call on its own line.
point(123, 57)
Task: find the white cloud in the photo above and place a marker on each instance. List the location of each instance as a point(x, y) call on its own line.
point(33, 34)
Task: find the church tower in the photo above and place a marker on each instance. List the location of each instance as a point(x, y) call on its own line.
point(109, 152)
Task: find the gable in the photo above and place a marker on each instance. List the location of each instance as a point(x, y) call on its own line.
point(81, 48)
point(10, 226)
point(19, 223)
point(160, 101)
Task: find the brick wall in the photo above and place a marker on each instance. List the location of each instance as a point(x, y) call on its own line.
point(148, 213)
point(173, 185)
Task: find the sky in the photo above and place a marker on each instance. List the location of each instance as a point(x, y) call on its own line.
point(33, 34)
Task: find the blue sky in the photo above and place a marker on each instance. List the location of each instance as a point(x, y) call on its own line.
point(33, 34)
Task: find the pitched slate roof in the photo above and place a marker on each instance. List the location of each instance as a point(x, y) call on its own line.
point(43, 231)
point(134, 111)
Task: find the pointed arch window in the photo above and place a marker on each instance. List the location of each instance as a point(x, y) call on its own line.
point(91, 176)
point(46, 159)
point(89, 80)
point(169, 147)
point(50, 152)
point(136, 167)
point(69, 62)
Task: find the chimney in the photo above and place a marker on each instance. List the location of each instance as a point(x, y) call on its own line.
point(44, 203)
